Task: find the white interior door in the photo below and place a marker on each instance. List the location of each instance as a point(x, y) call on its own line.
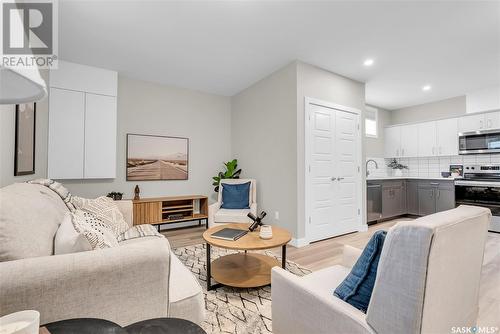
point(333, 180)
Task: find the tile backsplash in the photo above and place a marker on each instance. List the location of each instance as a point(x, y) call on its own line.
point(431, 166)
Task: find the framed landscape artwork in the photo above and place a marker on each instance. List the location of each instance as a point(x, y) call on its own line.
point(157, 158)
point(24, 148)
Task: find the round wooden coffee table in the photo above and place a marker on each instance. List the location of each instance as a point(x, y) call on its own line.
point(244, 270)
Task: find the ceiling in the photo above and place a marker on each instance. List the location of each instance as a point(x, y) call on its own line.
point(224, 47)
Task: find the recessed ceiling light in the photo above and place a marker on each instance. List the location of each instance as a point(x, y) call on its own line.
point(368, 62)
point(426, 88)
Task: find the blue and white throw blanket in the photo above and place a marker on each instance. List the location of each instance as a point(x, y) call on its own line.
point(137, 231)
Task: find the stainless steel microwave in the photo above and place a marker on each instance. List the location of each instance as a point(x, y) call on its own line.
point(477, 142)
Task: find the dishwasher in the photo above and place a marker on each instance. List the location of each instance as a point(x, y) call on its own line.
point(374, 202)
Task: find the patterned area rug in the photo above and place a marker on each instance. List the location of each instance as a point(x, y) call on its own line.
point(232, 310)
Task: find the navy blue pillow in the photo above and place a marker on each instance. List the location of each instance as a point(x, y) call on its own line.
point(235, 196)
point(357, 287)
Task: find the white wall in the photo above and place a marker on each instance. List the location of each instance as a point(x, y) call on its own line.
point(453, 107)
point(320, 84)
point(264, 141)
point(148, 108)
point(144, 108)
point(7, 140)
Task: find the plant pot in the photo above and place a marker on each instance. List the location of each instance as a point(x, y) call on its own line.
point(398, 172)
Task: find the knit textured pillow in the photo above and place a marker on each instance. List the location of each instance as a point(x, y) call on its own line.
point(94, 229)
point(104, 208)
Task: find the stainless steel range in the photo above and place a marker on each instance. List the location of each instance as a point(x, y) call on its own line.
point(480, 186)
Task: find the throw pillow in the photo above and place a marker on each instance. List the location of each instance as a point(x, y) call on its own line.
point(68, 240)
point(98, 234)
point(236, 196)
point(357, 287)
point(104, 208)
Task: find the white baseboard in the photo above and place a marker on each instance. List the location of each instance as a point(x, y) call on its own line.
point(301, 242)
point(363, 228)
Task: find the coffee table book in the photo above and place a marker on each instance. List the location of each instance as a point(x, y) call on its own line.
point(231, 234)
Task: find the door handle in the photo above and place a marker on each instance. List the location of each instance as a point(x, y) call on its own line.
point(333, 178)
point(340, 178)
point(433, 149)
point(440, 150)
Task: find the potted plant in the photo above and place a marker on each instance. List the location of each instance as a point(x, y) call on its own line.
point(231, 172)
point(115, 195)
point(397, 167)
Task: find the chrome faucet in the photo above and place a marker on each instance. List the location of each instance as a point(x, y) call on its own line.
point(367, 161)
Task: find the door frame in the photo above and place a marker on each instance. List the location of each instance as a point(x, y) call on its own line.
point(308, 101)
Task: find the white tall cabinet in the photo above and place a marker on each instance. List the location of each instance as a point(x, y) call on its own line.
point(82, 122)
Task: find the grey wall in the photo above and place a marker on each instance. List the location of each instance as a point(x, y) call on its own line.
point(264, 141)
point(7, 139)
point(148, 108)
point(318, 83)
point(452, 107)
point(374, 147)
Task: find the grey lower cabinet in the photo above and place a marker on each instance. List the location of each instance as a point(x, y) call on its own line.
point(435, 196)
point(391, 198)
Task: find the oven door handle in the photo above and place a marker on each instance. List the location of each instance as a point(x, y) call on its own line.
point(477, 184)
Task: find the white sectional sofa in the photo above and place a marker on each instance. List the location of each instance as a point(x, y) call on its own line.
point(140, 279)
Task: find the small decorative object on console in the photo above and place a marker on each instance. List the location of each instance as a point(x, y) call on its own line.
point(175, 216)
point(256, 220)
point(115, 195)
point(137, 192)
point(266, 232)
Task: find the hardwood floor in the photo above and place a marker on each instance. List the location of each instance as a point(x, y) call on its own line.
point(328, 252)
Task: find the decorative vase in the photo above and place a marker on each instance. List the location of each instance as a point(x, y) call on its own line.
point(398, 172)
point(23, 322)
point(266, 232)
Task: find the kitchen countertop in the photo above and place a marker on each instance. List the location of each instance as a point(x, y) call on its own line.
point(381, 178)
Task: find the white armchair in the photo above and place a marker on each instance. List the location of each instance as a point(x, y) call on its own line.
point(425, 282)
point(218, 215)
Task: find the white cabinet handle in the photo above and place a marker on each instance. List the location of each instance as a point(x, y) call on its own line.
point(440, 150)
point(340, 178)
point(480, 124)
point(488, 124)
point(402, 152)
point(433, 149)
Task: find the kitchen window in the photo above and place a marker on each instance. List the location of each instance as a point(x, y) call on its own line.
point(371, 122)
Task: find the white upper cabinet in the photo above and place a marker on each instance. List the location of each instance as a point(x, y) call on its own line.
point(447, 137)
point(66, 133)
point(471, 123)
point(409, 140)
point(100, 136)
point(487, 121)
point(82, 122)
point(427, 140)
point(492, 120)
point(392, 142)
